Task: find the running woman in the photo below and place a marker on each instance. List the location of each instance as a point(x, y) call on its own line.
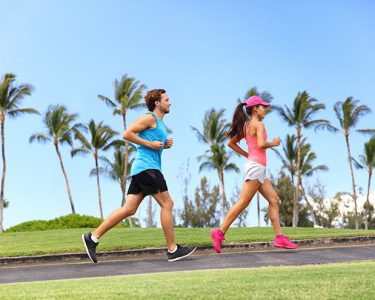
point(255, 134)
point(150, 134)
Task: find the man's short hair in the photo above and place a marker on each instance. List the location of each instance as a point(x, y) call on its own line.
point(153, 96)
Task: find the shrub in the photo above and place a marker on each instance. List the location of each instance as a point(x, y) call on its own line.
point(65, 222)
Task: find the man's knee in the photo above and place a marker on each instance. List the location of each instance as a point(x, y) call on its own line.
point(130, 211)
point(168, 204)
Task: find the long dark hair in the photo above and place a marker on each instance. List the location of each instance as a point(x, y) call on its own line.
point(239, 120)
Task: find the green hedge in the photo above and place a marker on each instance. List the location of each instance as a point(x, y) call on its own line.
point(65, 222)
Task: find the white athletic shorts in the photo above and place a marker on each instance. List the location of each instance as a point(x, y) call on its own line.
point(255, 171)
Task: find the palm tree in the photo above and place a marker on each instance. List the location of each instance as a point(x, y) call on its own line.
point(289, 161)
point(300, 116)
point(100, 139)
point(11, 96)
point(114, 170)
point(216, 158)
point(368, 160)
point(60, 128)
point(128, 94)
point(307, 170)
point(214, 133)
point(349, 113)
point(215, 128)
point(266, 96)
point(289, 156)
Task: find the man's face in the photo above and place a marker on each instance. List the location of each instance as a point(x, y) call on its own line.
point(164, 103)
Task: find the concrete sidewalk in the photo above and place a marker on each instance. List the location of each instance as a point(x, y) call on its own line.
point(206, 261)
point(110, 255)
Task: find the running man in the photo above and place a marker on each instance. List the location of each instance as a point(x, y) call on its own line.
point(150, 134)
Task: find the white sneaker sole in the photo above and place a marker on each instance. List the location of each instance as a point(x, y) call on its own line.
point(181, 257)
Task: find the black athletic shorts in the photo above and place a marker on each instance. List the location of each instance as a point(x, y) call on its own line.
point(149, 182)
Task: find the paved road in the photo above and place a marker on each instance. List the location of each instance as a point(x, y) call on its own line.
point(199, 261)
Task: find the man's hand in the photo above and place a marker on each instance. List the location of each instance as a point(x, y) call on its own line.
point(276, 142)
point(168, 143)
point(156, 145)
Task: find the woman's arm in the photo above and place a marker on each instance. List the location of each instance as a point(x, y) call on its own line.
point(261, 142)
point(233, 143)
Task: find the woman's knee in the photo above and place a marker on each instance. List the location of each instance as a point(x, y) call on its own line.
point(243, 203)
point(274, 201)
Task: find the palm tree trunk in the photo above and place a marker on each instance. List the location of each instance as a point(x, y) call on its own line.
point(66, 178)
point(353, 181)
point(367, 217)
point(98, 183)
point(258, 208)
point(4, 173)
point(309, 205)
point(296, 190)
point(222, 192)
point(125, 176)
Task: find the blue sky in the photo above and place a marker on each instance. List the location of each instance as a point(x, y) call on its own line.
point(205, 54)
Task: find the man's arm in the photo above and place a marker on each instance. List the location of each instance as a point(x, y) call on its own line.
point(142, 123)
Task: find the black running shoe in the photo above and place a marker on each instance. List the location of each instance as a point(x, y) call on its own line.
point(180, 253)
point(90, 246)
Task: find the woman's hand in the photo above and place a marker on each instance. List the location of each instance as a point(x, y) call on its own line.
point(276, 142)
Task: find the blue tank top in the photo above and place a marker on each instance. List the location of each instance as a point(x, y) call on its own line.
point(147, 158)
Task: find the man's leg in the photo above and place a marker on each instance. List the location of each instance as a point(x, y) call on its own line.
point(90, 240)
point(130, 208)
point(175, 252)
point(166, 204)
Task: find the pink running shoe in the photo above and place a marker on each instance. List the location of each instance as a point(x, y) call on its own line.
point(217, 238)
point(282, 241)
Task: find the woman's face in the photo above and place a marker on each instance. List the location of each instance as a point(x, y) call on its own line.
point(261, 111)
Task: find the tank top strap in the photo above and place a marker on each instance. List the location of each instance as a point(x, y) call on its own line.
point(152, 113)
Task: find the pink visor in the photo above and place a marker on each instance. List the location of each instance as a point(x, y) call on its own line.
point(256, 100)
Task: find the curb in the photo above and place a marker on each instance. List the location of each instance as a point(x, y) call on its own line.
point(151, 251)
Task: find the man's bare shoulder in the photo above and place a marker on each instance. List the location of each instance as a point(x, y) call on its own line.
point(146, 119)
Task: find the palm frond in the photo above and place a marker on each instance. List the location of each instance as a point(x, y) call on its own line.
point(40, 138)
point(201, 138)
point(22, 111)
point(107, 101)
point(79, 151)
point(206, 166)
point(356, 164)
point(366, 131)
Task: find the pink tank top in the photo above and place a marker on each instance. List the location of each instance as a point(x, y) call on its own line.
point(255, 153)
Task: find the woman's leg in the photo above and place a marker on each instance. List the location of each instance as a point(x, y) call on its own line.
point(269, 193)
point(249, 189)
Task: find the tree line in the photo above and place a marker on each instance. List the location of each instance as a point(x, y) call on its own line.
point(96, 138)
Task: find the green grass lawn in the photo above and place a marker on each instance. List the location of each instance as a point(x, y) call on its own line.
point(69, 240)
point(334, 281)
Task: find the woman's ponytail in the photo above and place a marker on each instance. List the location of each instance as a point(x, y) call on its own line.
point(238, 122)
